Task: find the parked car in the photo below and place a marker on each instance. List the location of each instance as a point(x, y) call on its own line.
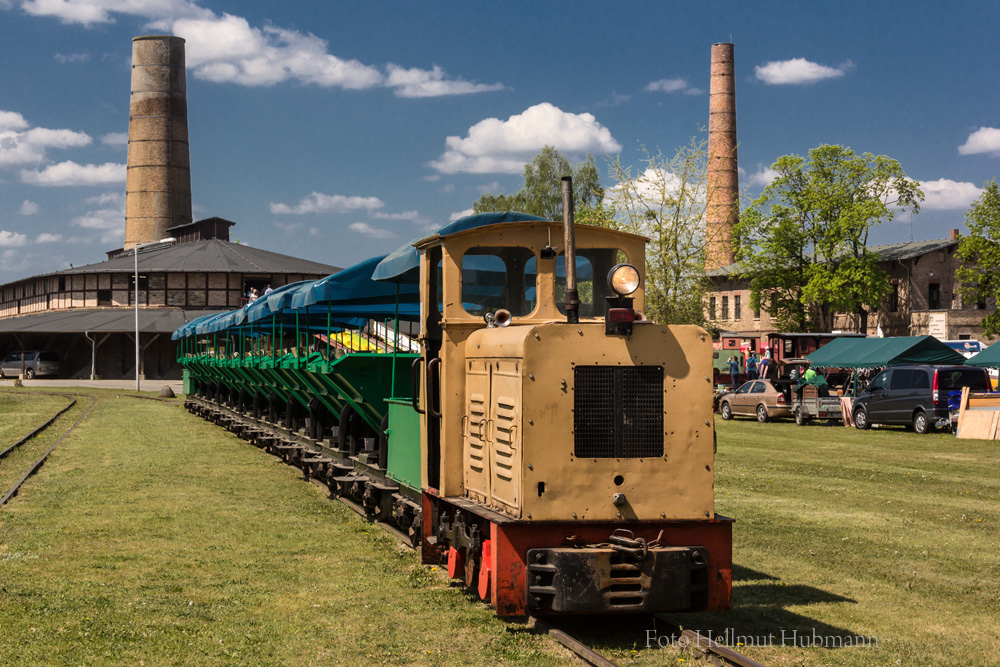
point(756, 398)
point(916, 396)
point(35, 363)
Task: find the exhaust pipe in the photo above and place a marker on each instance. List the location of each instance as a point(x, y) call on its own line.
point(569, 241)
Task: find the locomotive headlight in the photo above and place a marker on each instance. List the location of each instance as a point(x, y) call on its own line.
point(623, 279)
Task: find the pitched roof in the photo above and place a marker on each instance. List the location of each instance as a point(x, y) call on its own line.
point(889, 252)
point(100, 320)
point(208, 256)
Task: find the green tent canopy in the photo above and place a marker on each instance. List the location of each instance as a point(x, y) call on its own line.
point(988, 358)
point(878, 352)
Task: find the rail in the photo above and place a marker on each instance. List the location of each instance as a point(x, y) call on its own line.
point(33, 468)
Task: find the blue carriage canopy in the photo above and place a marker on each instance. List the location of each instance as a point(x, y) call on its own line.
point(403, 264)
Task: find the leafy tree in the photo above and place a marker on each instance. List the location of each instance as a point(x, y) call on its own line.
point(979, 275)
point(541, 193)
point(666, 203)
point(803, 244)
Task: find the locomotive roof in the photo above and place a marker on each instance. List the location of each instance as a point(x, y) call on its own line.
point(403, 264)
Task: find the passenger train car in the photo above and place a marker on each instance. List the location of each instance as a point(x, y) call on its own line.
point(557, 453)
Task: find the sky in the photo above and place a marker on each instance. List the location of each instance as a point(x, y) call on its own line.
point(338, 131)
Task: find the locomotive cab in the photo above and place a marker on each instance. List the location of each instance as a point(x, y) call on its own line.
point(544, 439)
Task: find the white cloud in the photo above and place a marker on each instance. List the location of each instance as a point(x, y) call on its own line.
point(614, 101)
point(45, 237)
point(494, 146)
point(115, 139)
point(984, 140)
point(374, 232)
point(764, 176)
point(89, 12)
point(317, 202)
point(797, 71)
point(71, 173)
point(20, 146)
point(65, 58)
point(405, 215)
point(12, 239)
point(417, 82)
point(11, 120)
point(460, 214)
point(228, 49)
point(944, 194)
point(108, 221)
point(493, 186)
point(667, 85)
point(28, 207)
point(116, 198)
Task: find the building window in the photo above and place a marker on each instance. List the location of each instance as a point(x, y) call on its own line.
point(711, 307)
point(981, 303)
point(756, 313)
point(894, 299)
point(103, 297)
point(62, 283)
point(725, 307)
point(737, 310)
point(933, 296)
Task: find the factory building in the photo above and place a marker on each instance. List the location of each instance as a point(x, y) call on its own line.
point(173, 268)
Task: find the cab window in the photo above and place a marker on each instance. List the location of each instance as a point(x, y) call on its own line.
point(592, 268)
point(494, 278)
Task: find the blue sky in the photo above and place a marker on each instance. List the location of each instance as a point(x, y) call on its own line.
point(338, 131)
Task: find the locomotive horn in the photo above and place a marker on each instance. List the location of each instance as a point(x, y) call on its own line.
point(502, 317)
point(572, 297)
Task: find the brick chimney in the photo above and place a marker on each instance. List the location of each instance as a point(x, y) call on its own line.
point(722, 210)
point(158, 185)
point(954, 234)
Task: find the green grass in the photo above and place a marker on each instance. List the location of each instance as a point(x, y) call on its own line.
point(152, 537)
point(845, 533)
point(155, 538)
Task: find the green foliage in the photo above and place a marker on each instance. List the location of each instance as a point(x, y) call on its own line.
point(979, 275)
point(803, 244)
point(541, 193)
point(666, 203)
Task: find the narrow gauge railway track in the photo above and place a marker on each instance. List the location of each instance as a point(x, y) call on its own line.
point(38, 463)
point(45, 425)
point(705, 647)
point(296, 450)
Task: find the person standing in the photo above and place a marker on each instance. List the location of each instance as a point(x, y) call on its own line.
point(764, 366)
point(752, 366)
point(734, 371)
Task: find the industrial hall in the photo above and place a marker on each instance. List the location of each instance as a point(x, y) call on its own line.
point(99, 319)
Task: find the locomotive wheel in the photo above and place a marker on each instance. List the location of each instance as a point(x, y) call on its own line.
point(471, 580)
point(485, 571)
point(456, 562)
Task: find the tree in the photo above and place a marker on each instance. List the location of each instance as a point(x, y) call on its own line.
point(979, 275)
point(666, 203)
point(541, 193)
point(803, 244)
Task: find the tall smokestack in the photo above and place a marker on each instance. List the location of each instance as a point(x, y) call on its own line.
point(722, 211)
point(158, 185)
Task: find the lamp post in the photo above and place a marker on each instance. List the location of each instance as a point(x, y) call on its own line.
point(135, 251)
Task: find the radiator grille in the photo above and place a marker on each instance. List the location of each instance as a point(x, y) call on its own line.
point(618, 411)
